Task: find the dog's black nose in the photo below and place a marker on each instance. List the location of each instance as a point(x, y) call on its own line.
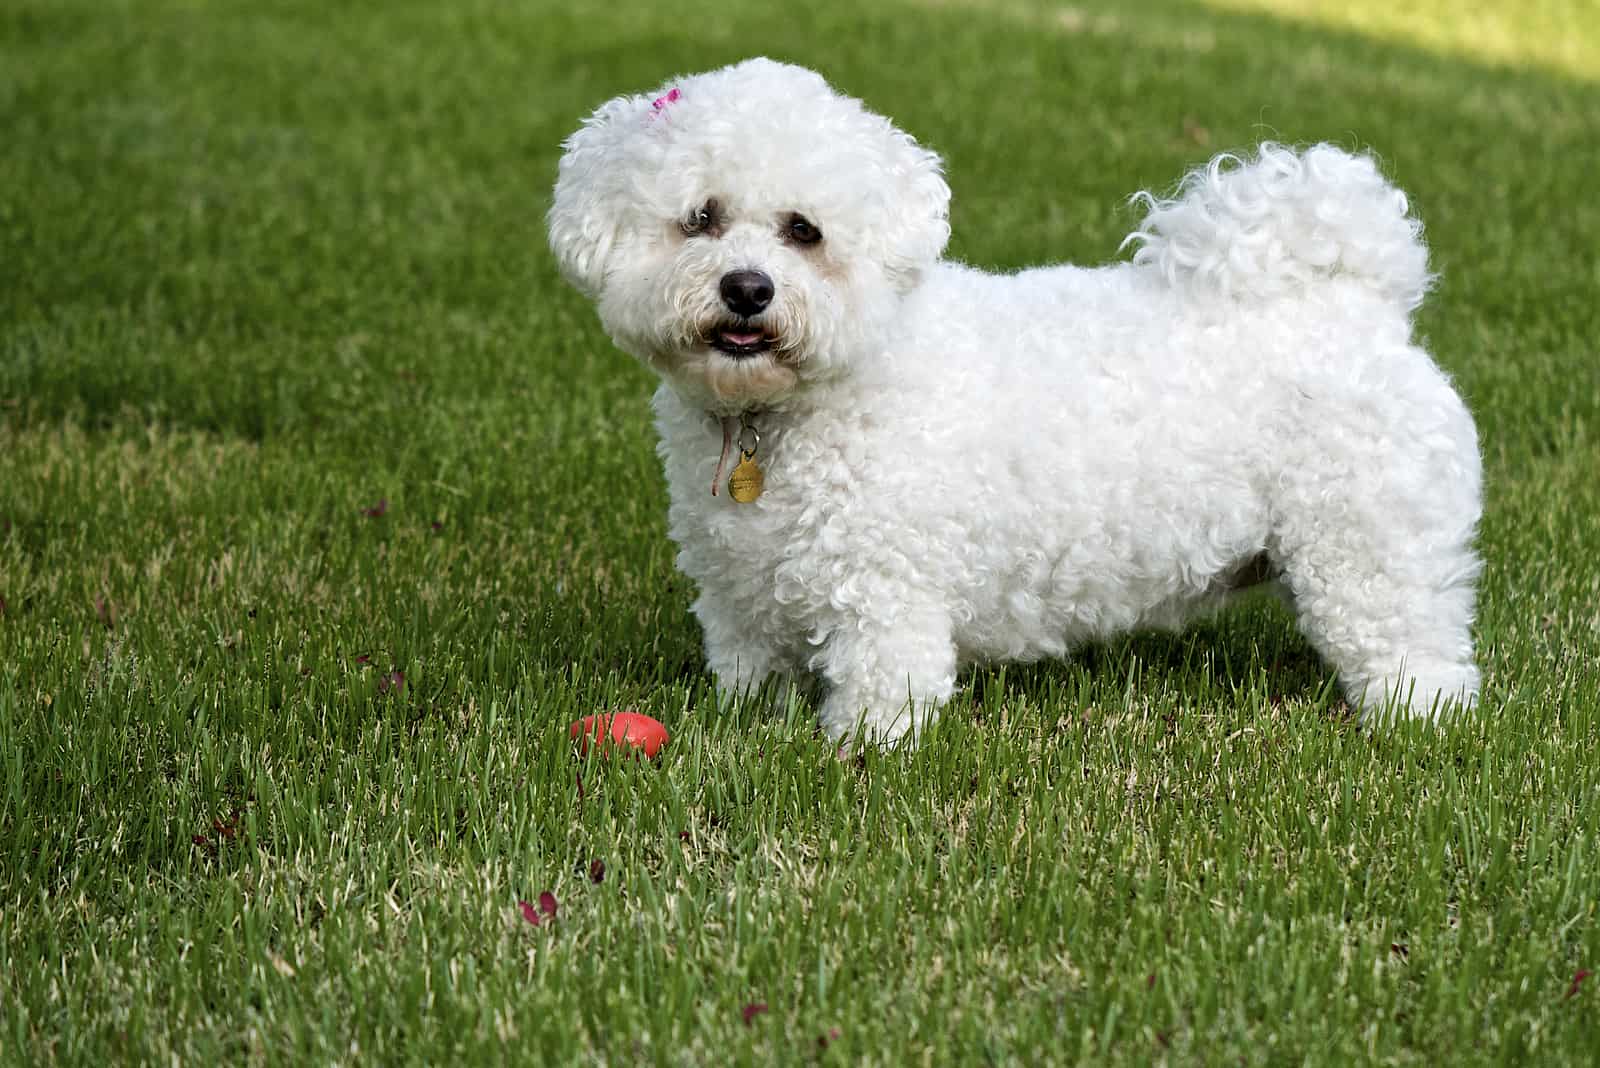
point(746, 292)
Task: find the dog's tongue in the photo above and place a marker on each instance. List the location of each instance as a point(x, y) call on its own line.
point(741, 339)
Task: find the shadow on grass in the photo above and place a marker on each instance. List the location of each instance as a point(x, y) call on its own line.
point(1269, 660)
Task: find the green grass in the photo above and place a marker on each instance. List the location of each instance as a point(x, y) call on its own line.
point(263, 266)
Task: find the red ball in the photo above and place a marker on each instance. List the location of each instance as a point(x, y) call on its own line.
point(630, 728)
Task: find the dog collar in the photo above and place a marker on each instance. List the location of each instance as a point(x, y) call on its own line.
point(747, 480)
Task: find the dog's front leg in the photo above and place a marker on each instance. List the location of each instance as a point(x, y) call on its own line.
point(888, 678)
point(743, 660)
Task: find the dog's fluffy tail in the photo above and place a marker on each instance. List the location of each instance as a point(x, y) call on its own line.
point(1270, 226)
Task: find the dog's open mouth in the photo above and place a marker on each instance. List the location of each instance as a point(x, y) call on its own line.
point(739, 339)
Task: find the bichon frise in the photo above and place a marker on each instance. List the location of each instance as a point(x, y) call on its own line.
point(884, 465)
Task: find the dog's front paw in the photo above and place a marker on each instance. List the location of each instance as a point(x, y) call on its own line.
point(853, 724)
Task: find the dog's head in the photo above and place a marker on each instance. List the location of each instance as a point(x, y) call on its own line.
point(747, 230)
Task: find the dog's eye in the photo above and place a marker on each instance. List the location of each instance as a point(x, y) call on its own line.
point(701, 219)
point(800, 230)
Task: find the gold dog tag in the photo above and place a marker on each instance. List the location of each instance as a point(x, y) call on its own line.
point(747, 481)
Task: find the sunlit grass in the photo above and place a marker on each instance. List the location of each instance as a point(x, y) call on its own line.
point(1562, 36)
point(1558, 36)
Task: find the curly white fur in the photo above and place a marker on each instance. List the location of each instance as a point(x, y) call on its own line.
point(964, 467)
point(1274, 225)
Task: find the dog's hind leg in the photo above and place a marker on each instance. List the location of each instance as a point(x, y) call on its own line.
point(1374, 499)
point(1384, 589)
point(1400, 640)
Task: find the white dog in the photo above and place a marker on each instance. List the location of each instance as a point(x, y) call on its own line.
point(938, 466)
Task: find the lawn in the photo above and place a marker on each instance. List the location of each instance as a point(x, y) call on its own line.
point(325, 507)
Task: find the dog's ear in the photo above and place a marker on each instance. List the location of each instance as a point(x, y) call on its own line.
point(591, 192)
point(918, 223)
